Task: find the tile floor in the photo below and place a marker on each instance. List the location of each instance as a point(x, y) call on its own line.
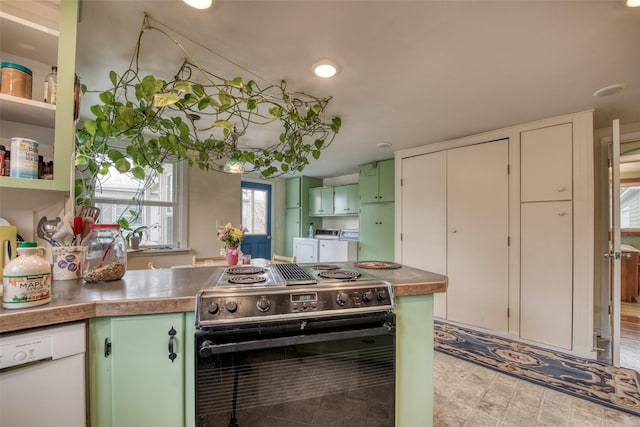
point(466, 394)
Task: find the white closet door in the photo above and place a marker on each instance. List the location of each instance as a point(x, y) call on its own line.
point(545, 162)
point(546, 284)
point(424, 217)
point(478, 230)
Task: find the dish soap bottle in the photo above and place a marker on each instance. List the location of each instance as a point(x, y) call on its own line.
point(51, 86)
point(311, 230)
point(27, 278)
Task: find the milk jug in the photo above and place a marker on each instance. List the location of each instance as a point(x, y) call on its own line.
point(26, 280)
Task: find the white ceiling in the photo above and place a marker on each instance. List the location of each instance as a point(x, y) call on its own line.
point(412, 72)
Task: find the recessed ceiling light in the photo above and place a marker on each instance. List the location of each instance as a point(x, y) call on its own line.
point(609, 90)
point(199, 4)
point(325, 69)
point(633, 3)
point(383, 144)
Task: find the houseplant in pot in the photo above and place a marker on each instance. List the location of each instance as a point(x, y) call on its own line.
point(231, 237)
point(132, 236)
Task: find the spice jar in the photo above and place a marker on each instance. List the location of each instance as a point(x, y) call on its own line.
point(105, 255)
point(26, 280)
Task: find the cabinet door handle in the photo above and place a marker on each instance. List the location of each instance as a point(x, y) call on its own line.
point(453, 231)
point(562, 213)
point(561, 189)
point(107, 347)
point(172, 338)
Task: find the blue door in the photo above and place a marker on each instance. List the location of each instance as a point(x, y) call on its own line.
point(256, 218)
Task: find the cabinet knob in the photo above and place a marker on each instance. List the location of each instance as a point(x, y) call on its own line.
point(561, 189)
point(453, 231)
point(562, 213)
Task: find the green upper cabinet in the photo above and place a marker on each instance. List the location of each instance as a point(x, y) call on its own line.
point(133, 379)
point(321, 201)
point(293, 196)
point(51, 125)
point(376, 182)
point(297, 217)
point(345, 199)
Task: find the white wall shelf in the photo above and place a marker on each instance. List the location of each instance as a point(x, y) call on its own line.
point(28, 111)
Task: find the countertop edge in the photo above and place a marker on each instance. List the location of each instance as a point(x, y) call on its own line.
point(46, 316)
point(414, 289)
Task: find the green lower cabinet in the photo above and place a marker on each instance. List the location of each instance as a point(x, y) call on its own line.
point(134, 379)
point(376, 240)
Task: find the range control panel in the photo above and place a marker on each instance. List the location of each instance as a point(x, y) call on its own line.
point(217, 306)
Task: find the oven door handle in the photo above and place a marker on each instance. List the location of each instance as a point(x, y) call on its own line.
point(208, 347)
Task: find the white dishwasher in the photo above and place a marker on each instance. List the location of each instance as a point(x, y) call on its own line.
point(42, 377)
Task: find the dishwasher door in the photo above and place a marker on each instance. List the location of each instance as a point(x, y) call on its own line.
point(42, 377)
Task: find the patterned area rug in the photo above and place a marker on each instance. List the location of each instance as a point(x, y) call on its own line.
point(618, 388)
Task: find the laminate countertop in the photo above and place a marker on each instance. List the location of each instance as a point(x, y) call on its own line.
point(165, 290)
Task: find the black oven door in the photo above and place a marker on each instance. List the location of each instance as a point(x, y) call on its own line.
point(315, 376)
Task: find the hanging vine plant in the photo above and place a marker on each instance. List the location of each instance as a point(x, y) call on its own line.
point(200, 118)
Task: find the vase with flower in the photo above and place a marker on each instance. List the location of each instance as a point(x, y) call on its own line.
point(231, 237)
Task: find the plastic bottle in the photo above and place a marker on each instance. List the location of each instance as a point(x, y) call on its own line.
point(26, 280)
point(106, 254)
point(311, 230)
point(3, 152)
point(7, 163)
point(51, 86)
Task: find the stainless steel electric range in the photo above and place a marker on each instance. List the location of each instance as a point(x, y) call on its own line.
point(286, 343)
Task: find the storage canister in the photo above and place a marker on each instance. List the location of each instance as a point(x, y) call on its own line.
point(67, 262)
point(26, 280)
point(106, 254)
point(24, 158)
point(16, 80)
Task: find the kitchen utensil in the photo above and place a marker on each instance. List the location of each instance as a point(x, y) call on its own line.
point(86, 224)
point(50, 227)
point(64, 230)
point(88, 211)
point(77, 229)
point(45, 230)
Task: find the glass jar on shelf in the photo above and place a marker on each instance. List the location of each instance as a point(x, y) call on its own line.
point(106, 254)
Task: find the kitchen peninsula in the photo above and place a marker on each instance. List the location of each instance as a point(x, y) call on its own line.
point(146, 292)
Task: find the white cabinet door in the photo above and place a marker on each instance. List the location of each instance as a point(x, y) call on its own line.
point(424, 217)
point(546, 273)
point(477, 239)
point(546, 163)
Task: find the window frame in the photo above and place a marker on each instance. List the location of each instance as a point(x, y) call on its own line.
point(180, 210)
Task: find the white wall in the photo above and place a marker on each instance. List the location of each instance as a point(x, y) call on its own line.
point(213, 198)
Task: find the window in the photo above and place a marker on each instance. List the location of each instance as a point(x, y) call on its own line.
point(630, 207)
point(159, 203)
point(254, 210)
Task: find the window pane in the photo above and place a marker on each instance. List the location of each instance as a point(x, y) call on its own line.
point(630, 207)
point(124, 186)
point(254, 210)
point(158, 219)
